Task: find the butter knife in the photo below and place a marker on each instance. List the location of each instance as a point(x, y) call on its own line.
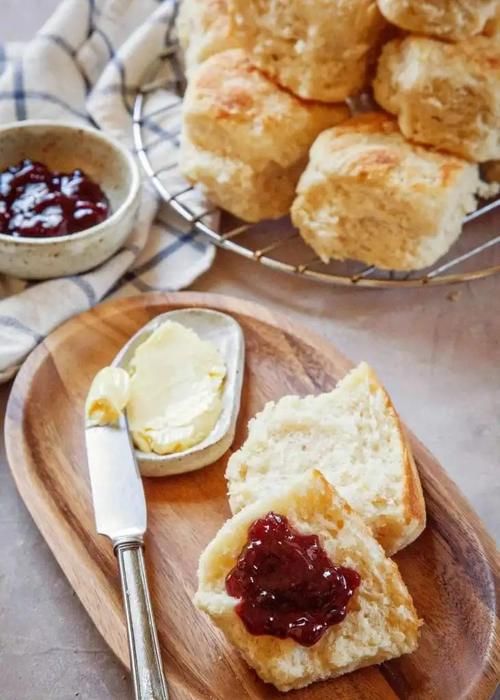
point(120, 514)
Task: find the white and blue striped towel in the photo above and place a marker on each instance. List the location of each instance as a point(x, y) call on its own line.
point(86, 64)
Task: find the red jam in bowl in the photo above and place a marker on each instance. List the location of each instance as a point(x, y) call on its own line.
point(287, 585)
point(37, 203)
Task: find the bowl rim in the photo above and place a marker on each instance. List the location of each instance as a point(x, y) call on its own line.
point(93, 133)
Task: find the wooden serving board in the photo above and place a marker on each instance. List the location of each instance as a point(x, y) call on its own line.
point(451, 571)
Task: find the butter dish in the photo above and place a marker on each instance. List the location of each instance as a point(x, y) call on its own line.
point(226, 335)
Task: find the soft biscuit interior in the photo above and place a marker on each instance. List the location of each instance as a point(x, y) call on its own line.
point(353, 436)
point(381, 621)
point(370, 195)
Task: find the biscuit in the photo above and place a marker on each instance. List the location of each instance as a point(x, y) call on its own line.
point(353, 436)
point(203, 30)
point(319, 50)
point(446, 19)
point(370, 195)
point(444, 95)
point(381, 622)
point(233, 185)
point(244, 139)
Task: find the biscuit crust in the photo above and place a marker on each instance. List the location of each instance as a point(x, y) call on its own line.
point(370, 195)
point(446, 19)
point(245, 139)
point(318, 49)
point(444, 95)
point(204, 29)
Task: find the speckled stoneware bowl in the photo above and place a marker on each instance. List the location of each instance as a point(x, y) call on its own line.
point(65, 147)
point(225, 333)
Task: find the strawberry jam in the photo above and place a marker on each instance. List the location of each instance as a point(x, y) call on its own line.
point(36, 202)
point(287, 585)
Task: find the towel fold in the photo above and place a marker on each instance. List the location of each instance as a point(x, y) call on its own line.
point(86, 65)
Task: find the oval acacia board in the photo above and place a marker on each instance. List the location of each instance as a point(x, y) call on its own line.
point(451, 570)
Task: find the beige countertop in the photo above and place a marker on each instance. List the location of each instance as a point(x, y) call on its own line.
point(438, 354)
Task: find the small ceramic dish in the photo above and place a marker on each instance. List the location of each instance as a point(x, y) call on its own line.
point(226, 334)
point(65, 147)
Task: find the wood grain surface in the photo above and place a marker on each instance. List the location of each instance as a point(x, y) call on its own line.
point(451, 571)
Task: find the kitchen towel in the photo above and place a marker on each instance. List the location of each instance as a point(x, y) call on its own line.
point(86, 65)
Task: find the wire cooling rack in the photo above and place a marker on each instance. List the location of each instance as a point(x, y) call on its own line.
point(277, 244)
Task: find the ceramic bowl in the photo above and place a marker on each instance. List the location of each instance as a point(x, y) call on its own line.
point(65, 147)
point(226, 334)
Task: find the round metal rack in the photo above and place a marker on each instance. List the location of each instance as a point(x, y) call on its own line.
point(277, 245)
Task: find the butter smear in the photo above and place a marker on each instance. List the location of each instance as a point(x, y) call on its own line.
point(175, 390)
point(108, 396)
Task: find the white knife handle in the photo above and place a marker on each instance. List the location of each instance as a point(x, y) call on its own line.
point(145, 659)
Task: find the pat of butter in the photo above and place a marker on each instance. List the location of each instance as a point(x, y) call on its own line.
point(175, 390)
point(108, 396)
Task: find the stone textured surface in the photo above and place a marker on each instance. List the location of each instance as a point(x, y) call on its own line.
point(438, 352)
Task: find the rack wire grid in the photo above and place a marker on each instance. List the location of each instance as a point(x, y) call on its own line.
point(277, 244)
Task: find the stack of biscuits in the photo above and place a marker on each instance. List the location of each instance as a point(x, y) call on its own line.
point(269, 129)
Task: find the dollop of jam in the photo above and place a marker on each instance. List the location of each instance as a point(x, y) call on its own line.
point(287, 585)
point(36, 202)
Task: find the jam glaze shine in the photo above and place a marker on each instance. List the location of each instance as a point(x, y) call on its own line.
point(287, 585)
point(37, 203)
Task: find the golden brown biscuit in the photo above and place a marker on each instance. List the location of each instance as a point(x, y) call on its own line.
point(381, 622)
point(319, 50)
point(447, 19)
point(370, 195)
point(245, 139)
point(444, 95)
point(354, 437)
point(203, 29)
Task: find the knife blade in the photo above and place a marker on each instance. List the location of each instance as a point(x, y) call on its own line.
point(120, 514)
point(117, 490)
